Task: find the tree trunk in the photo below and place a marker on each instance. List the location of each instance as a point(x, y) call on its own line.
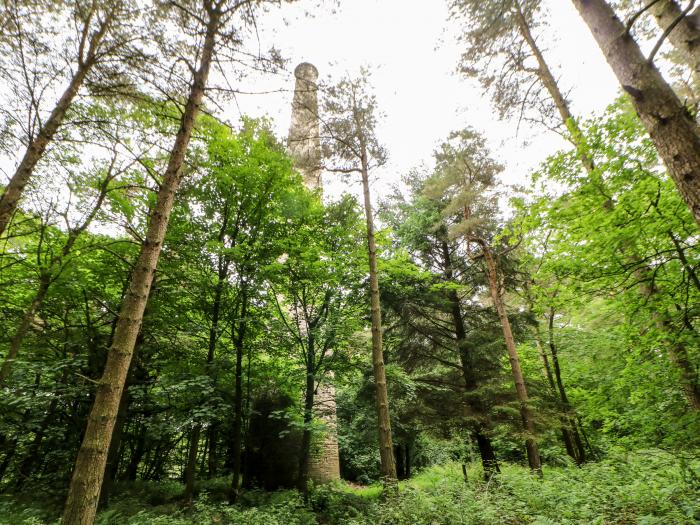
point(407, 464)
point(10, 448)
point(84, 491)
point(685, 36)
point(191, 464)
point(304, 454)
point(400, 466)
point(545, 75)
point(677, 352)
point(37, 145)
point(211, 350)
point(386, 447)
point(238, 399)
point(45, 280)
point(137, 455)
point(212, 458)
point(570, 428)
point(26, 467)
point(113, 454)
point(488, 456)
point(533, 455)
point(671, 128)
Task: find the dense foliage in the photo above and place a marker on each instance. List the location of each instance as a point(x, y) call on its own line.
point(192, 323)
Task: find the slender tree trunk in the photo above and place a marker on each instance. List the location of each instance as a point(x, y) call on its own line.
point(10, 448)
point(671, 128)
point(486, 451)
point(137, 455)
point(407, 463)
point(211, 350)
point(191, 463)
point(533, 455)
point(550, 83)
point(547, 369)
point(386, 447)
point(84, 491)
point(400, 467)
point(237, 444)
point(489, 462)
point(29, 461)
point(571, 428)
point(677, 352)
point(303, 472)
point(38, 144)
point(212, 458)
point(45, 280)
point(566, 433)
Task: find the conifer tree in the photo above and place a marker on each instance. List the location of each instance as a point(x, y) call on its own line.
point(465, 176)
point(348, 130)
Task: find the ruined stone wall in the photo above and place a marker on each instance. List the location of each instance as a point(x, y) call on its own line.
point(324, 460)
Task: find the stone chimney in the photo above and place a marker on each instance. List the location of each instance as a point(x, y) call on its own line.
point(304, 145)
point(304, 142)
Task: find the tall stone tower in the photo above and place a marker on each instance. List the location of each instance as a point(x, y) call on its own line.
point(304, 142)
point(304, 145)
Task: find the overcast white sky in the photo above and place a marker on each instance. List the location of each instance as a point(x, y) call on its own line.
point(411, 47)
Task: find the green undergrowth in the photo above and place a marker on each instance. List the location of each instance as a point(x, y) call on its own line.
point(646, 488)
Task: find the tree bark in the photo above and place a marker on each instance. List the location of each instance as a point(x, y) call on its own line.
point(213, 457)
point(191, 463)
point(533, 455)
point(386, 447)
point(37, 145)
point(84, 491)
point(544, 73)
point(486, 451)
point(211, 350)
point(671, 128)
point(303, 473)
point(238, 399)
point(113, 455)
point(570, 427)
point(685, 36)
point(566, 434)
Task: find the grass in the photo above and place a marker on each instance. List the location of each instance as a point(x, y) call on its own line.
point(644, 488)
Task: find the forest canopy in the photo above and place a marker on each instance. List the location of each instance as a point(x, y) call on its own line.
point(193, 331)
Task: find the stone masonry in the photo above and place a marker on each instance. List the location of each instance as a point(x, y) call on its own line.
point(304, 145)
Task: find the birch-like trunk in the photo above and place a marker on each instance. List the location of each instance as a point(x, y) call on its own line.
point(84, 491)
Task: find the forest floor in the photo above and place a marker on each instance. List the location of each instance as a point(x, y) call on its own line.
point(644, 488)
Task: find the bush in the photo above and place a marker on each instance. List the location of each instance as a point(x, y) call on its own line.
point(649, 487)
